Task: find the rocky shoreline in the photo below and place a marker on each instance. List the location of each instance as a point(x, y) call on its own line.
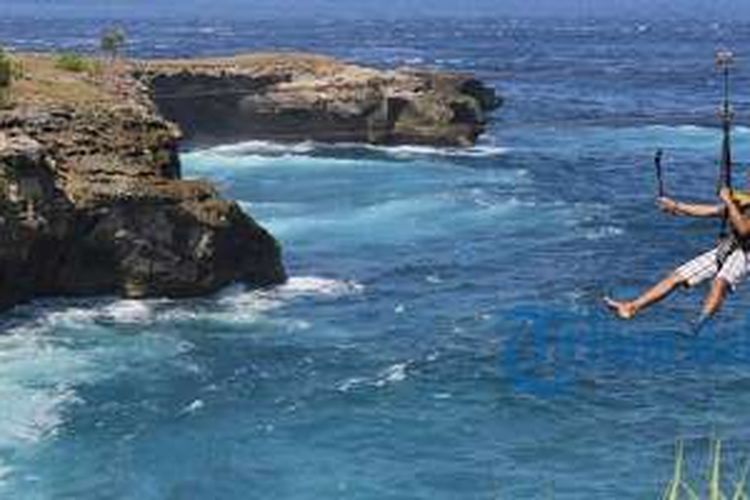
point(91, 195)
point(299, 97)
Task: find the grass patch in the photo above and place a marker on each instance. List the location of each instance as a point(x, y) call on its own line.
point(10, 70)
point(681, 487)
point(44, 83)
point(76, 63)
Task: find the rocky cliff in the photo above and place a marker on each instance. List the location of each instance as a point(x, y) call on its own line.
point(294, 97)
point(91, 199)
point(91, 195)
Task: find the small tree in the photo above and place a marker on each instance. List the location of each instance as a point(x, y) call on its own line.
point(112, 42)
point(6, 77)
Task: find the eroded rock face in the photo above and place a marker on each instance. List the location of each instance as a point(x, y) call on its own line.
point(300, 97)
point(91, 202)
point(91, 196)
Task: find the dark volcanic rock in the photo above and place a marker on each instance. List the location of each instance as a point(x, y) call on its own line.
point(302, 97)
point(91, 202)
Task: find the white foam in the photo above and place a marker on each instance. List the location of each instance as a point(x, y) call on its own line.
point(395, 373)
point(77, 317)
point(392, 374)
point(129, 311)
point(262, 147)
point(72, 317)
point(350, 383)
point(214, 161)
point(35, 416)
point(235, 304)
point(692, 129)
point(314, 285)
point(193, 407)
point(238, 305)
point(442, 395)
point(45, 358)
point(5, 472)
point(259, 149)
point(604, 232)
point(407, 151)
point(32, 364)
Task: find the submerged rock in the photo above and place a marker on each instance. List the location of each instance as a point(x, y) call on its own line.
point(293, 97)
point(91, 202)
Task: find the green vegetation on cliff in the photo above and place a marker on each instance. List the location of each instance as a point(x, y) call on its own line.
point(8, 71)
point(63, 79)
point(70, 61)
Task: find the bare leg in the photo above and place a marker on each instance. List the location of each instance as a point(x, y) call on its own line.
point(715, 298)
point(628, 309)
point(713, 302)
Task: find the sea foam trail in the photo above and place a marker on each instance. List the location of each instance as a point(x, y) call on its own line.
point(45, 359)
point(235, 304)
point(295, 287)
point(392, 374)
point(69, 343)
point(268, 148)
point(260, 147)
point(479, 151)
point(218, 164)
point(697, 129)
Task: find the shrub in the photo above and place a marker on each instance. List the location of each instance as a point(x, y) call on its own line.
point(76, 63)
point(7, 73)
point(6, 69)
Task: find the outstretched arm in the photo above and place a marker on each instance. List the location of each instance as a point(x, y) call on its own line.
point(690, 209)
point(740, 223)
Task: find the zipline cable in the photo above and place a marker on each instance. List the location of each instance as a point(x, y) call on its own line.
point(724, 60)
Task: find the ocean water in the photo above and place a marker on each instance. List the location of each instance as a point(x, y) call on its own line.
point(442, 334)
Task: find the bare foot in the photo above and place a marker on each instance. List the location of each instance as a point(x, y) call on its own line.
point(625, 310)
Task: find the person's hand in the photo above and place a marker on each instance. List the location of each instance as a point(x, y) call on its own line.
point(667, 204)
point(726, 195)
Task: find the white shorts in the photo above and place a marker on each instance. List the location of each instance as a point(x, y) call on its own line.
point(705, 267)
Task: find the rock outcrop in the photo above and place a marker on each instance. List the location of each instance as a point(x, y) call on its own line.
point(91, 202)
point(91, 195)
point(293, 97)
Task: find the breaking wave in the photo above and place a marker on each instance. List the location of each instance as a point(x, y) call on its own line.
point(235, 303)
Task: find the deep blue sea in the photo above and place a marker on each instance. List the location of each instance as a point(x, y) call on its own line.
point(441, 335)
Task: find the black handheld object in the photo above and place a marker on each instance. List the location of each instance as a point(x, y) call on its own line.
point(659, 177)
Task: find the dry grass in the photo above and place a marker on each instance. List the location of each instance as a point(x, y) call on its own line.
point(44, 82)
point(50, 79)
point(262, 63)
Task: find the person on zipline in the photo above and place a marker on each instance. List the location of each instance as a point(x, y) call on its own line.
point(727, 264)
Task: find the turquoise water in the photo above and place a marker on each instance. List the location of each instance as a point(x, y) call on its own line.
point(441, 335)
